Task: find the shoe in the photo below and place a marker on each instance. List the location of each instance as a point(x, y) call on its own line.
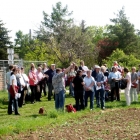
point(9, 113)
point(17, 114)
point(91, 109)
point(103, 108)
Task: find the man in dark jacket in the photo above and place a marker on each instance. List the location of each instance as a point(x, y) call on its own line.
point(49, 74)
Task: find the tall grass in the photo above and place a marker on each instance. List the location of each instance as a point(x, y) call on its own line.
point(31, 120)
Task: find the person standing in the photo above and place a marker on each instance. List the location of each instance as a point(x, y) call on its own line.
point(26, 81)
point(58, 84)
point(138, 87)
point(70, 77)
point(33, 82)
point(100, 92)
point(89, 89)
point(127, 89)
point(78, 85)
point(134, 81)
point(44, 81)
point(49, 74)
point(13, 91)
point(39, 84)
point(8, 75)
point(21, 85)
point(113, 79)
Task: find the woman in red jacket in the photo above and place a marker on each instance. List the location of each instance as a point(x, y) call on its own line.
point(33, 83)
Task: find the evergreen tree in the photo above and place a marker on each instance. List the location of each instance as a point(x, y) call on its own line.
point(123, 32)
point(4, 41)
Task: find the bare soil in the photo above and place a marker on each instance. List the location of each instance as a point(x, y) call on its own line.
point(119, 124)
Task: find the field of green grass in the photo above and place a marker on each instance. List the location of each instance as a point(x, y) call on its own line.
point(31, 120)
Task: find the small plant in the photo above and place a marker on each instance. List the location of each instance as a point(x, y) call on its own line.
point(53, 114)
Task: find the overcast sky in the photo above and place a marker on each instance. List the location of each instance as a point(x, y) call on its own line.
point(27, 14)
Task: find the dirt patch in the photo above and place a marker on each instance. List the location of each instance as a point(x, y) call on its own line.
point(117, 124)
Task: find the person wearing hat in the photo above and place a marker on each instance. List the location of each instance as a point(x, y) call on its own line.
point(99, 90)
point(49, 75)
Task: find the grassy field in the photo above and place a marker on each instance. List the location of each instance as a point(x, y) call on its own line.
point(31, 120)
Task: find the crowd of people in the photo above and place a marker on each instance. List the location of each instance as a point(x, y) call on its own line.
point(101, 83)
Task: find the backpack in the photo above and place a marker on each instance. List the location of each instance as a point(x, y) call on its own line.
point(123, 84)
point(70, 108)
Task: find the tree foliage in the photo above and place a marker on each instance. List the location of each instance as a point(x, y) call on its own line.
point(123, 32)
point(58, 40)
point(122, 58)
point(22, 42)
point(67, 41)
point(4, 41)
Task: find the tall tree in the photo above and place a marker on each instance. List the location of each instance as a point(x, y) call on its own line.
point(4, 41)
point(123, 32)
point(56, 23)
point(67, 41)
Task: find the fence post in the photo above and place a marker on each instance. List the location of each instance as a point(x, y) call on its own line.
point(4, 77)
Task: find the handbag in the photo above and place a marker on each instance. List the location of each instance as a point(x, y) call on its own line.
point(11, 90)
point(122, 84)
point(134, 85)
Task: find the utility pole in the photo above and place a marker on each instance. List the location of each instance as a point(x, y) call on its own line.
point(10, 52)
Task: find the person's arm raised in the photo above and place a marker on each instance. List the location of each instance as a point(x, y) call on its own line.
point(68, 69)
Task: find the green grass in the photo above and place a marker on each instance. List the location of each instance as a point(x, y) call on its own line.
point(31, 120)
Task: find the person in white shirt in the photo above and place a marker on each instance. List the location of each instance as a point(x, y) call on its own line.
point(114, 78)
point(26, 86)
point(21, 85)
point(127, 89)
point(44, 81)
point(13, 93)
point(45, 68)
point(89, 89)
